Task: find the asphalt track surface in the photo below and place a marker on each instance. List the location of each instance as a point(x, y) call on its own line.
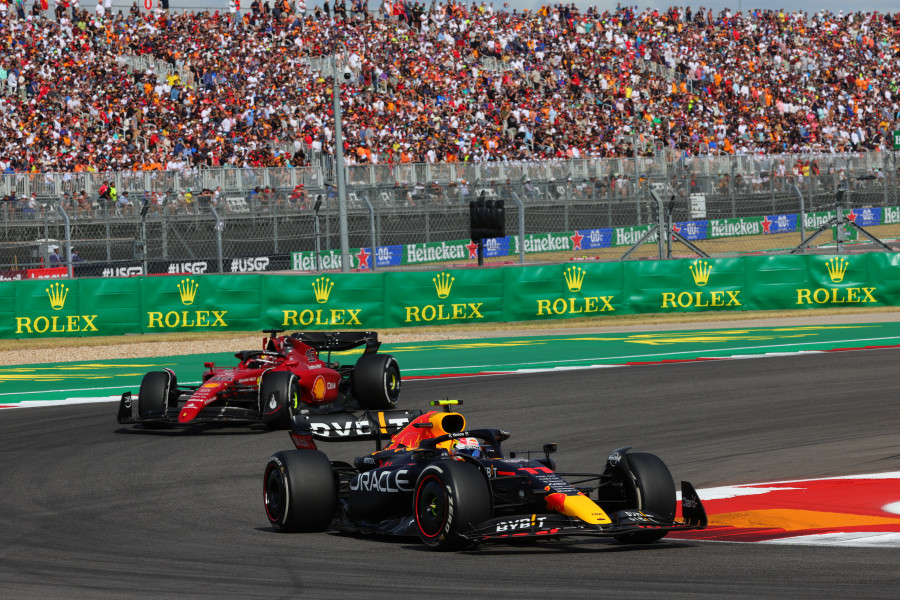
point(90, 509)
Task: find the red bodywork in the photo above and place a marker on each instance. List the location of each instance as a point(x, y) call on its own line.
point(318, 382)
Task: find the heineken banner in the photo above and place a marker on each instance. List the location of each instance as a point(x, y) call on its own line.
point(465, 251)
point(374, 300)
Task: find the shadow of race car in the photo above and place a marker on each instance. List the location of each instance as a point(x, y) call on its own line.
point(455, 488)
point(285, 378)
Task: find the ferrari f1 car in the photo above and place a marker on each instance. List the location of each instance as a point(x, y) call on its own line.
point(455, 488)
point(271, 385)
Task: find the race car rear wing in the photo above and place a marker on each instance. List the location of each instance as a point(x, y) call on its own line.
point(338, 341)
point(344, 427)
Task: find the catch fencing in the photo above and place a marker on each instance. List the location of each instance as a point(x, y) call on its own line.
point(259, 217)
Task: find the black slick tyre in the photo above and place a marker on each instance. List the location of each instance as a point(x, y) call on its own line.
point(376, 381)
point(156, 388)
point(279, 398)
point(655, 493)
point(451, 497)
point(299, 491)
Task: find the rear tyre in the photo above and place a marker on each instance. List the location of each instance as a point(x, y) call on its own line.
point(451, 497)
point(376, 381)
point(299, 491)
point(655, 493)
point(156, 388)
point(279, 394)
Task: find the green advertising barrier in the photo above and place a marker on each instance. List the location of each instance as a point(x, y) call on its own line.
point(685, 285)
point(58, 308)
point(823, 281)
point(326, 301)
point(449, 296)
point(565, 291)
point(884, 277)
point(775, 281)
point(367, 300)
point(207, 303)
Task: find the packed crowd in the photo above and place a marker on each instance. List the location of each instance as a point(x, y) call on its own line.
point(440, 83)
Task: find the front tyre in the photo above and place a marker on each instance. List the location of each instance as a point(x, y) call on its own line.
point(299, 491)
point(279, 398)
point(655, 492)
point(156, 388)
point(451, 498)
point(376, 381)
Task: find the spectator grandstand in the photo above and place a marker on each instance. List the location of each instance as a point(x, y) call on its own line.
point(445, 83)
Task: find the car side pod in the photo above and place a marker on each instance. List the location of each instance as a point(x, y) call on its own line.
point(692, 510)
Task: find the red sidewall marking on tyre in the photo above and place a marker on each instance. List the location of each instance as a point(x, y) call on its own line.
point(418, 491)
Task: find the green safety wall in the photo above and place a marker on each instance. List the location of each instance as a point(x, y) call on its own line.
point(79, 307)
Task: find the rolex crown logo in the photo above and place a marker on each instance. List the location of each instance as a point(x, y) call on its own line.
point(442, 284)
point(322, 287)
point(574, 278)
point(57, 293)
point(701, 270)
point(187, 289)
point(836, 269)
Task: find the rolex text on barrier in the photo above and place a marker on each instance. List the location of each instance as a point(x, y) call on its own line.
point(372, 300)
point(566, 291)
point(445, 297)
point(686, 285)
point(326, 301)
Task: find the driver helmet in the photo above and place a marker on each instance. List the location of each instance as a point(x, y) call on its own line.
point(468, 446)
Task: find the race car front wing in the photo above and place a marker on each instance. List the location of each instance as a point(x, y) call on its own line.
point(623, 522)
point(215, 413)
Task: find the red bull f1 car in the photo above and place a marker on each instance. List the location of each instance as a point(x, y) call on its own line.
point(455, 488)
point(286, 377)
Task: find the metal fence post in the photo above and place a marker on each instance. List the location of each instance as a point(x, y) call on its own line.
point(637, 202)
point(328, 233)
point(165, 237)
point(731, 191)
point(68, 228)
point(521, 206)
point(884, 180)
point(772, 188)
point(318, 233)
point(219, 227)
point(892, 178)
point(339, 163)
point(609, 203)
point(372, 231)
point(663, 228)
point(145, 268)
point(274, 209)
point(105, 209)
point(802, 224)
